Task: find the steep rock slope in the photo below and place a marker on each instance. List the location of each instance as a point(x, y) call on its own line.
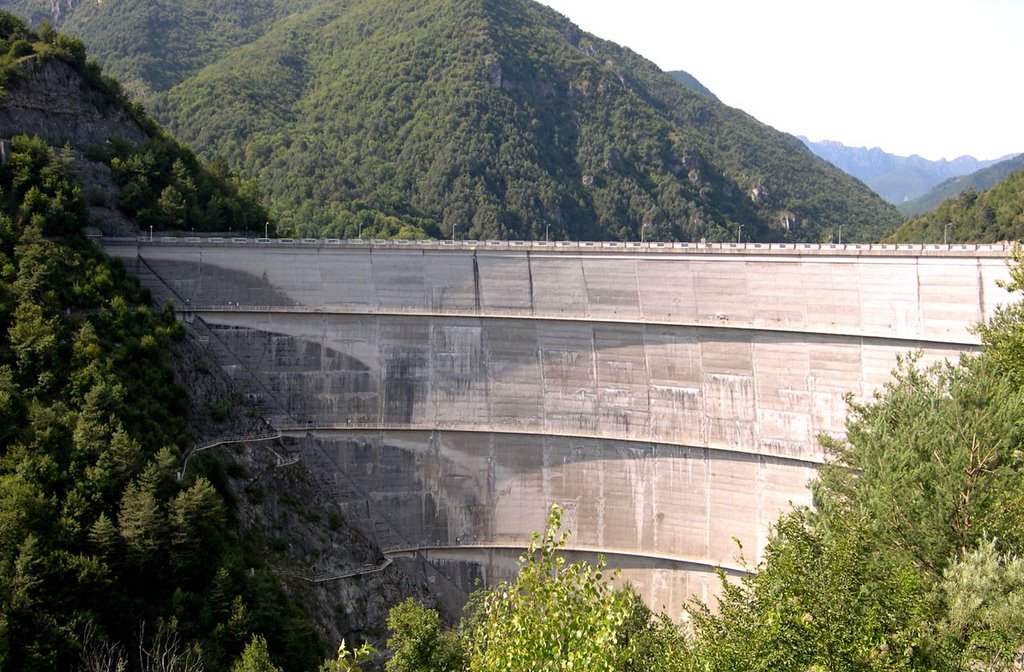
point(131, 168)
point(46, 98)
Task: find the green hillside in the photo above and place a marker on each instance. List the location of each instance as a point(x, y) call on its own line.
point(972, 217)
point(498, 120)
point(150, 46)
point(979, 180)
point(495, 119)
point(693, 83)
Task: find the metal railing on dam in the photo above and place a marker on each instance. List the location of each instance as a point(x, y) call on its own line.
point(856, 249)
point(669, 396)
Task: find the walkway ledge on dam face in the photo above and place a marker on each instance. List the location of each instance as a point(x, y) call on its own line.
point(670, 396)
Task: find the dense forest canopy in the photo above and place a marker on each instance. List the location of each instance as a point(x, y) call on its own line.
point(101, 544)
point(480, 118)
point(151, 46)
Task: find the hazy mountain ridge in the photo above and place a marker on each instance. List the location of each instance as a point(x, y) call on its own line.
point(989, 216)
point(980, 180)
point(897, 179)
point(692, 83)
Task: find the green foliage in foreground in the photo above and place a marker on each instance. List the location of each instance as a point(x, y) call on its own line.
point(555, 614)
point(104, 554)
point(819, 601)
point(913, 558)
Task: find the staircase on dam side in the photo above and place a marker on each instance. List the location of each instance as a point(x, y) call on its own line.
point(668, 396)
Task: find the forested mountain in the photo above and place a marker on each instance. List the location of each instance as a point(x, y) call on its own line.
point(897, 179)
point(150, 46)
point(692, 83)
point(482, 118)
point(502, 119)
point(983, 179)
point(985, 217)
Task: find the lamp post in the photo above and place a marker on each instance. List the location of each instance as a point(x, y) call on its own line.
point(945, 234)
point(266, 230)
point(840, 234)
point(547, 229)
point(453, 232)
point(739, 235)
point(643, 233)
point(151, 233)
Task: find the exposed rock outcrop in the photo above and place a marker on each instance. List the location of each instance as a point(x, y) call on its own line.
point(46, 98)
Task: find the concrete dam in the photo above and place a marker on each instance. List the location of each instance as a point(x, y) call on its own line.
point(668, 396)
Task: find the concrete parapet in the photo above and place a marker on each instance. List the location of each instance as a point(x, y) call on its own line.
point(1000, 249)
point(902, 294)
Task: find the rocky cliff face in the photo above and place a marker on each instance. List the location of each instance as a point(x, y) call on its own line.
point(59, 7)
point(46, 98)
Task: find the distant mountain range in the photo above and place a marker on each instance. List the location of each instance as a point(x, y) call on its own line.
point(981, 180)
point(971, 216)
point(472, 118)
point(897, 179)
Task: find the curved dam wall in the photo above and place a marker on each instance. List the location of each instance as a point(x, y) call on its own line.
point(668, 397)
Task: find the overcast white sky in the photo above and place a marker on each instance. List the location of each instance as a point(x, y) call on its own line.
point(938, 78)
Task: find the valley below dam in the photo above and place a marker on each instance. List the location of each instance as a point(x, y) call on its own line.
point(669, 396)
